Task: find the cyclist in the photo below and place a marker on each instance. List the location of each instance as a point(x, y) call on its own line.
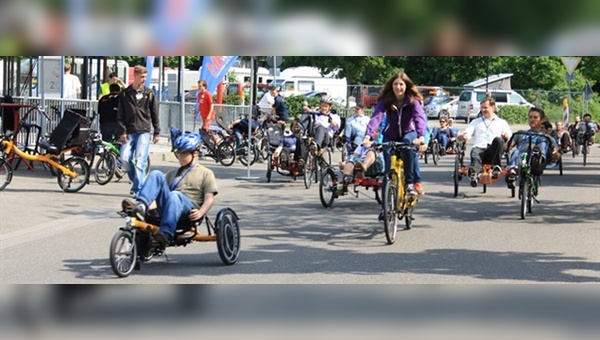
point(490, 132)
point(185, 192)
point(587, 129)
point(542, 145)
point(326, 124)
point(287, 147)
point(399, 109)
point(279, 109)
point(356, 126)
point(444, 134)
point(562, 136)
point(240, 127)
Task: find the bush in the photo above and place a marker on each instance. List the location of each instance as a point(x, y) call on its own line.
point(514, 114)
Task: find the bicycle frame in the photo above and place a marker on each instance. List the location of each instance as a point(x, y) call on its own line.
point(397, 167)
point(10, 146)
point(134, 223)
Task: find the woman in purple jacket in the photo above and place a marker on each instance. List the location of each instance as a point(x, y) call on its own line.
point(400, 104)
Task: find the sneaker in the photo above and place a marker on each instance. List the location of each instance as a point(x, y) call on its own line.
point(161, 239)
point(511, 178)
point(473, 179)
point(496, 171)
point(381, 216)
point(419, 189)
point(119, 173)
point(301, 163)
point(411, 189)
point(137, 209)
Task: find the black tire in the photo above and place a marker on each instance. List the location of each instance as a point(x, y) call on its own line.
point(426, 155)
point(485, 188)
point(585, 149)
point(309, 170)
point(6, 173)
point(524, 191)
point(456, 175)
point(560, 166)
point(327, 188)
point(227, 229)
point(105, 168)
point(225, 154)
point(123, 253)
point(436, 152)
point(408, 218)
point(81, 167)
point(269, 167)
point(390, 210)
point(378, 195)
point(252, 155)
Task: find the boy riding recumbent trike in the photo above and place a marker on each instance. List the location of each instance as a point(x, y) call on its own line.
point(282, 151)
point(180, 200)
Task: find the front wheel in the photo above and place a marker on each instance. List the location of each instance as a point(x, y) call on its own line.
point(436, 152)
point(390, 210)
point(327, 188)
point(225, 154)
point(269, 160)
point(82, 171)
point(250, 156)
point(6, 173)
point(408, 217)
point(456, 175)
point(264, 148)
point(309, 170)
point(585, 149)
point(228, 236)
point(104, 170)
point(123, 253)
point(525, 193)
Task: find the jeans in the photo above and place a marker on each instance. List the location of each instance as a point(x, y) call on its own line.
point(238, 137)
point(133, 155)
point(441, 137)
point(412, 169)
point(171, 205)
point(515, 155)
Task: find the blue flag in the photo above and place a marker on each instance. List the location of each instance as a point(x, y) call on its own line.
point(214, 68)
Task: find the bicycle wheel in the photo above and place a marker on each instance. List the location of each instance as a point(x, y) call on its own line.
point(104, 170)
point(81, 168)
point(436, 153)
point(123, 253)
point(309, 170)
point(269, 167)
point(585, 149)
point(264, 148)
point(524, 193)
point(250, 156)
point(327, 188)
point(228, 236)
point(456, 175)
point(408, 218)
point(6, 173)
point(390, 211)
point(225, 154)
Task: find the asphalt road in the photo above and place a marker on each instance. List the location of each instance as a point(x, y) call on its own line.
point(288, 237)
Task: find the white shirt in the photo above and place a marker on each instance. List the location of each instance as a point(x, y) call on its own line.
point(485, 130)
point(70, 85)
point(323, 120)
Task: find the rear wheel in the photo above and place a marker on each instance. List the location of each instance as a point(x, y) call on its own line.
point(263, 148)
point(436, 152)
point(560, 166)
point(309, 170)
point(104, 170)
point(327, 188)
point(228, 236)
point(390, 212)
point(408, 218)
point(225, 154)
point(123, 253)
point(5, 173)
point(250, 155)
point(81, 169)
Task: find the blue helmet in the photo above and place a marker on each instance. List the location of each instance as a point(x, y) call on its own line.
point(188, 142)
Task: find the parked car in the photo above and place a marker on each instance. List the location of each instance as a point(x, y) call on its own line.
point(468, 101)
point(434, 106)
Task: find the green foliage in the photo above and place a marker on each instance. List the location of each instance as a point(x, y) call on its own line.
point(514, 114)
point(232, 99)
point(294, 104)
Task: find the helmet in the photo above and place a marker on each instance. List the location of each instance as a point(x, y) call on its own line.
point(297, 128)
point(287, 132)
point(327, 100)
point(188, 142)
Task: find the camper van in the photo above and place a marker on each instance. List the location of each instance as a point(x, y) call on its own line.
point(243, 75)
point(301, 80)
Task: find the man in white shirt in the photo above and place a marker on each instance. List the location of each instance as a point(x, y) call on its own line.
point(489, 133)
point(71, 84)
point(356, 126)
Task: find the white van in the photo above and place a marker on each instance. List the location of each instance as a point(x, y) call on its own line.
point(468, 101)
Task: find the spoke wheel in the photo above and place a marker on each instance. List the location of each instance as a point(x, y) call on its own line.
point(123, 253)
point(435, 156)
point(6, 173)
point(225, 154)
point(585, 149)
point(390, 203)
point(456, 175)
point(81, 168)
point(104, 170)
point(408, 218)
point(250, 156)
point(264, 148)
point(327, 188)
point(309, 171)
point(228, 236)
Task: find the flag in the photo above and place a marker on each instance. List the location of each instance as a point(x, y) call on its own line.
point(149, 67)
point(565, 112)
point(214, 68)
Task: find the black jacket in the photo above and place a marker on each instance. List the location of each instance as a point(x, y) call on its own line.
point(138, 114)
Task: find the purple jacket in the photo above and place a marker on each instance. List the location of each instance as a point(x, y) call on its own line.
point(410, 115)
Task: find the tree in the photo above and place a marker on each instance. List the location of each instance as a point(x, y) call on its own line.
point(356, 70)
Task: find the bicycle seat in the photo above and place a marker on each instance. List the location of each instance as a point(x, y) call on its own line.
point(184, 224)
